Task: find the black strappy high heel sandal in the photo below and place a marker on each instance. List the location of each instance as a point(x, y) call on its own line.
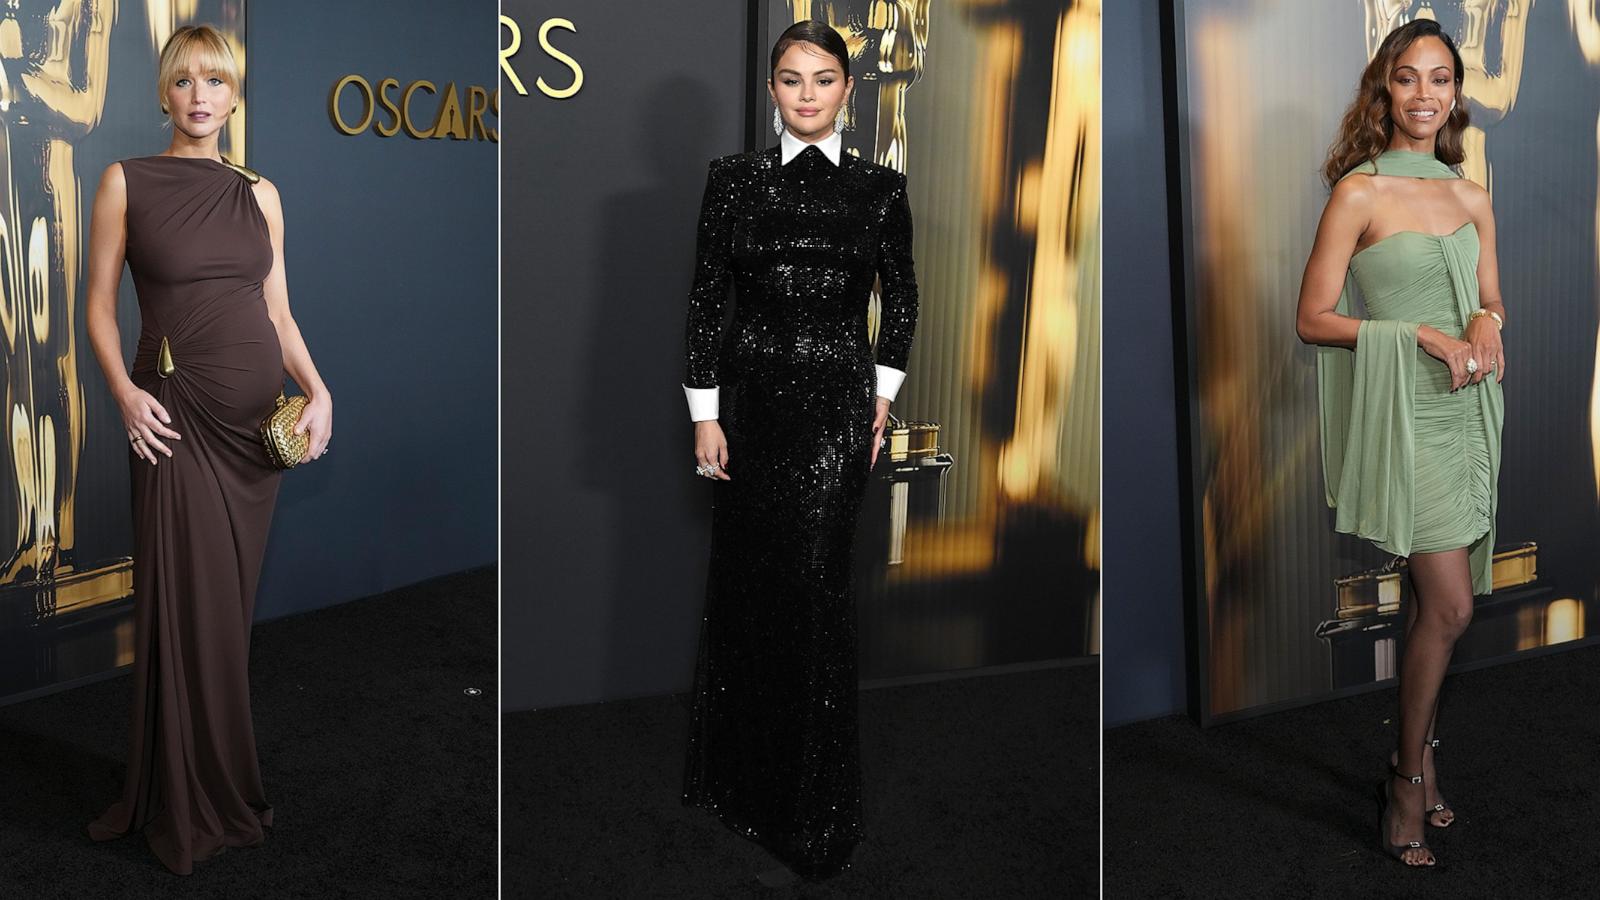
point(1386, 801)
point(1441, 807)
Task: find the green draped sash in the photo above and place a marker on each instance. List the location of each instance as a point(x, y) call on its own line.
point(1365, 399)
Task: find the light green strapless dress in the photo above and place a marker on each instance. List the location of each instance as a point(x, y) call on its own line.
point(1408, 464)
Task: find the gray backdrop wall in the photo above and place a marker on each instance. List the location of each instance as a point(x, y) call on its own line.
point(1143, 662)
point(605, 527)
point(390, 246)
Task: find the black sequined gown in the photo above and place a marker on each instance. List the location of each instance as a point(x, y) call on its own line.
point(773, 744)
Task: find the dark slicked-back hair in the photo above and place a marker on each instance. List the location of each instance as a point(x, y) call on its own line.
point(811, 31)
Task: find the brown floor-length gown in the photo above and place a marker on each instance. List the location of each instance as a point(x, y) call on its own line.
point(198, 247)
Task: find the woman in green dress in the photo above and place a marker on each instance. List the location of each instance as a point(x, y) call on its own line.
point(1410, 395)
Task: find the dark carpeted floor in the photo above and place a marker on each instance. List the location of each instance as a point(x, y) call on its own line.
point(1285, 805)
point(381, 771)
point(982, 787)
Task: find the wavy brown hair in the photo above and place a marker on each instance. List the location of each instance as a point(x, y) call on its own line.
point(1367, 128)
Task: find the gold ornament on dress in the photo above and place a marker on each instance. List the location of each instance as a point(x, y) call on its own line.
point(245, 172)
point(285, 449)
point(164, 366)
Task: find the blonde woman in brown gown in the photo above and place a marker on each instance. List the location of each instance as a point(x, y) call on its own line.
point(204, 241)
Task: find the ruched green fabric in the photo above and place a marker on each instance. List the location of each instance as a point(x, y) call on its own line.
point(1407, 463)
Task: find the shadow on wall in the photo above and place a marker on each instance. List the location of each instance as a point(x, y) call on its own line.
point(634, 429)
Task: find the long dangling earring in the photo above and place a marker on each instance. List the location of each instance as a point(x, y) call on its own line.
point(839, 120)
point(777, 122)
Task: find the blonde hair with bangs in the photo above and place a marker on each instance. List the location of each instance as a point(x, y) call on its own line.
point(201, 48)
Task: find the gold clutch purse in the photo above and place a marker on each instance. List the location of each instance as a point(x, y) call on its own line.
point(285, 448)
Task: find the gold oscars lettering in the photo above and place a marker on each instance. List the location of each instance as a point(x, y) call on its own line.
point(399, 108)
point(514, 35)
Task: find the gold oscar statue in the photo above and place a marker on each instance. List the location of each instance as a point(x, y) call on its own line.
point(1027, 336)
point(1586, 28)
point(53, 78)
point(54, 73)
point(887, 41)
point(1490, 84)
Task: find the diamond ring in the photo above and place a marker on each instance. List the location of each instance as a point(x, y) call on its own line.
point(1472, 365)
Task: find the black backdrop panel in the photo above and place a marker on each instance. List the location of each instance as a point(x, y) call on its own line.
point(1143, 664)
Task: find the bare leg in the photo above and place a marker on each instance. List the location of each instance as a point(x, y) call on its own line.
point(1430, 776)
point(1443, 592)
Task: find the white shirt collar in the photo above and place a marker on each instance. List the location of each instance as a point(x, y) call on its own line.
point(791, 146)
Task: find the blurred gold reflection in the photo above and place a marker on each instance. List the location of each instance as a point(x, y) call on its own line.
point(57, 69)
point(1586, 28)
point(57, 57)
point(1014, 372)
point(1563, 621)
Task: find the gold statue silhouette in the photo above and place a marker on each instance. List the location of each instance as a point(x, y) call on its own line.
point(1586, 28)
point(1490, 85)
point(890, 38)
point(54, 73)
point(1029, 331)
point(53, 77)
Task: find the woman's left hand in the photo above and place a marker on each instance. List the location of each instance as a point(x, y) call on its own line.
point(317, 420)
point(878, 422)
point(1484, 336)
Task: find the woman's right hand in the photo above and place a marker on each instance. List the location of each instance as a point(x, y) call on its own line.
point(144, 417)
point(1448, 350)
point(711, 448)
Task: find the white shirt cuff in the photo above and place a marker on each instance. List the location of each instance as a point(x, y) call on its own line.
point(889, 381)
point(702, 402)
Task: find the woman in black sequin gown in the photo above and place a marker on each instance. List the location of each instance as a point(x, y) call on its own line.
point(789, 410)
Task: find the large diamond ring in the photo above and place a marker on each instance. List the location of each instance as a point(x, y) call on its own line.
point(706, 470)
point(1472, 365)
